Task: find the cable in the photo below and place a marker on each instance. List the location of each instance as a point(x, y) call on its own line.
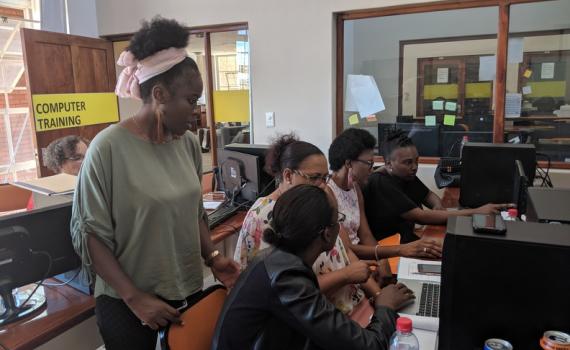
point(63, 283)
point(45, 276)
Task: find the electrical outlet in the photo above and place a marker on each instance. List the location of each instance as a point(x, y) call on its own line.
point(270, 119)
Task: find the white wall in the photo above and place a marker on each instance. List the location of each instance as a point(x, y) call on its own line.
point(82, 18)
point(292, 50)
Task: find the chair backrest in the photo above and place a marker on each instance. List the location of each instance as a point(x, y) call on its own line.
point(13, 198)
point(199, 322)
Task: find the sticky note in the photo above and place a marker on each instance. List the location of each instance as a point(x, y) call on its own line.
point(437, 105)
point(449, 119)
point(430, 120)
point(527, 73)
point(353, 119)
point(527, 90)
point(450, 106)
point(371, 118)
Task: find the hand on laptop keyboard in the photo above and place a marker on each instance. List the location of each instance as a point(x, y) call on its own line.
point(394, 296)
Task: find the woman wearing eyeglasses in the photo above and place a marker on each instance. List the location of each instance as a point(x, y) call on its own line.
point(351, 157)
point(66, 154)
point(277, 304)
point(293, 162)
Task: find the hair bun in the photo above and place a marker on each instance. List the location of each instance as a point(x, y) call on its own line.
point(271, 236)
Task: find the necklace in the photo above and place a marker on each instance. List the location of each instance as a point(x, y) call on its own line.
point(139, 129)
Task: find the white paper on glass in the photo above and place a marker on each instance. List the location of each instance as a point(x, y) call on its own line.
point(515, 52)
point(363, 95)
point(527, 90)
point(547, 70)
point(487, 68)
point(443, 75)
point(513, 103)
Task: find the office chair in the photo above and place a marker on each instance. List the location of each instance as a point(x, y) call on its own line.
point(199, 323)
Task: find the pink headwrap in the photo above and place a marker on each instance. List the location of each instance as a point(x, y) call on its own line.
point(137, 72)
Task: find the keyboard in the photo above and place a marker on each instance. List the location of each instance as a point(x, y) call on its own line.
point(219, 215)
point(429, 300)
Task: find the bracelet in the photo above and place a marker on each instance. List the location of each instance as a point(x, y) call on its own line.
point(211, 257)
point(376, 252)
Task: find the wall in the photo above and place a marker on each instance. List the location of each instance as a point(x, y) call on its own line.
point(292, 49)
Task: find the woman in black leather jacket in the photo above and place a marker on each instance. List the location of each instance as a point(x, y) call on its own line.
point(277, 304)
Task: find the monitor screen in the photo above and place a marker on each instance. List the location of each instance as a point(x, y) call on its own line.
point(487, 171)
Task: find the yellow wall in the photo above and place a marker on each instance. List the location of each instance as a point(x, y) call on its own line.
point(231, 106)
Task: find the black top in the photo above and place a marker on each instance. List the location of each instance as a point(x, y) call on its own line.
point(386, 198)
point(276, 304)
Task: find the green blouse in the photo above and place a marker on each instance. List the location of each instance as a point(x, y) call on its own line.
point(143, 201)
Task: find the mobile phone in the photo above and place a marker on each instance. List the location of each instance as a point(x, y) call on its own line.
point(431, 269)
point(491, 224)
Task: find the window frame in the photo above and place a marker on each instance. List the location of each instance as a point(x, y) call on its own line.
point(502, 49)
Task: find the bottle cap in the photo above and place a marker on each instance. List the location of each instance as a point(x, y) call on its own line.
point(513, 213)
point(404, 324)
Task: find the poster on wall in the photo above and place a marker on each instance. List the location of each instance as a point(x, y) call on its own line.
point(442, 75)
point(547, 70)
point(61, 111)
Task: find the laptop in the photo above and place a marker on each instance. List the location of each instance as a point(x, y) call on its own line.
point(424, 309)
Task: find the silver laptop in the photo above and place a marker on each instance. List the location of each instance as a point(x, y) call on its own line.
point(424, 310)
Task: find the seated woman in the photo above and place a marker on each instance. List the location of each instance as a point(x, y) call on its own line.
point(66, 154)
point(351, 157)
point(340, 272)
point(276, 303)
point(394, 197)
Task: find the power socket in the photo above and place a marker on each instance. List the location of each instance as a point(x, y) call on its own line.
point(269, 119)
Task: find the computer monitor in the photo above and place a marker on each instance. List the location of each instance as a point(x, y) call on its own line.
point(248, 161)
point(451, 140)
point(33, 246)
point(487, 171)
point(426, 138)
point(512, 287)
point(520, 186)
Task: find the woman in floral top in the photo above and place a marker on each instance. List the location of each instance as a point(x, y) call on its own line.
point(342, 277)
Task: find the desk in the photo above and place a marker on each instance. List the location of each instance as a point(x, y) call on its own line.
point(67, 307)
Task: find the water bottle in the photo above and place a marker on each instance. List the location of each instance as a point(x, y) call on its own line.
point(403, 338)
point(464, 140)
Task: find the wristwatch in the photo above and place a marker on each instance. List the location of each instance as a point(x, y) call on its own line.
point(210, 259)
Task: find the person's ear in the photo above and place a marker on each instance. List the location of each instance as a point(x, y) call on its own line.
point(327, 236)
point(348, 163)
point(288, 176)
point(159, 93)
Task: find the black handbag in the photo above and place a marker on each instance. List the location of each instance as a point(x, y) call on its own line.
point(448, 172)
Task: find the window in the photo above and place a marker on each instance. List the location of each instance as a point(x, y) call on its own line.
point(442, 81)
point(538, 78)
point(17, 151)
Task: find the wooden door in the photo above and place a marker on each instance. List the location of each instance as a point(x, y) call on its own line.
point(59, 63)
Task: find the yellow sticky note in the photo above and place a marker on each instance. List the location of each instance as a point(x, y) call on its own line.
point(353, 119)
point(527, 73)
point(450, 106)
point(371, 118)
point(437, 105)
point(449, 119)
point(430, 120)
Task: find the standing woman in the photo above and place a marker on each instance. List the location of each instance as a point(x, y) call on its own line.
point(351, 158)
point(138, 220)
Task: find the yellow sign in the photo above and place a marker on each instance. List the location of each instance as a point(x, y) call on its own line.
point(60, 111)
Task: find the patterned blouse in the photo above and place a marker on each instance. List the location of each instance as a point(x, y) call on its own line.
point(348, 205)
point(250, 243)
